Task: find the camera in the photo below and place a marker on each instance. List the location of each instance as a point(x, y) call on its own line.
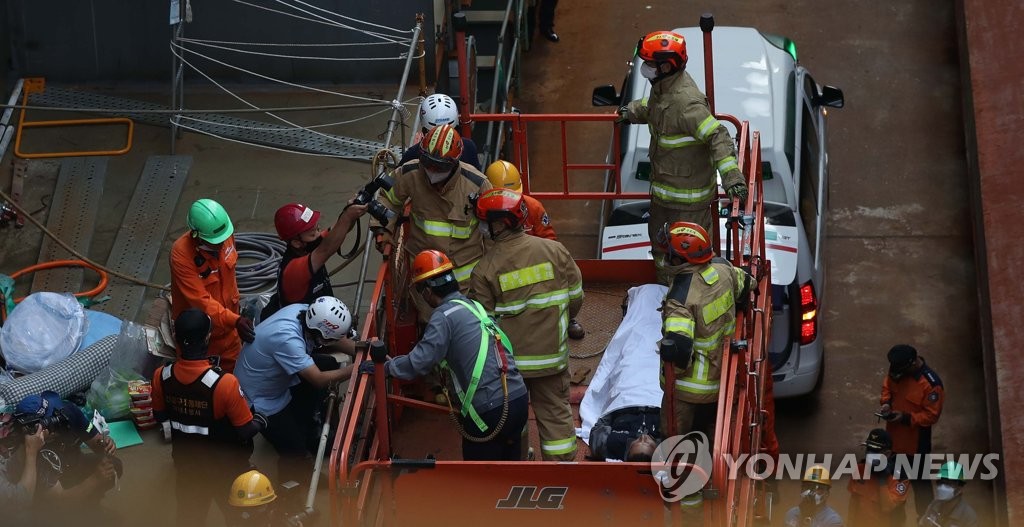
point(375, 209)
point(28, 422)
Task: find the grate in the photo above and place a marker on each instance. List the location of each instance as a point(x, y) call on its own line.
point(73, 210)
point(259, 132)
point(144, 226)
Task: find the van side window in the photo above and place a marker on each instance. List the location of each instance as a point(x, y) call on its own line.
point(810, 153)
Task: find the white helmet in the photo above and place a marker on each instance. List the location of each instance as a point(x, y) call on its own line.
point(438, 109)
point(329, 316)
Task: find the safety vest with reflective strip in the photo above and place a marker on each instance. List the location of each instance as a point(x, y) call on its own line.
point(488, 329)
point(189, 407)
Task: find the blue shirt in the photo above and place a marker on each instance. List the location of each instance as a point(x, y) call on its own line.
point(269, 366)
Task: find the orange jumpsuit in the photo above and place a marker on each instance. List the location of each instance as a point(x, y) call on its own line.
point(206, 281)
point(919, 395)
point(877, 502)
point(537, 221)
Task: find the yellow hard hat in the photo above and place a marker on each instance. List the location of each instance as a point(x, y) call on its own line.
point(818, 474)
point(503, 174)
point(251, 489)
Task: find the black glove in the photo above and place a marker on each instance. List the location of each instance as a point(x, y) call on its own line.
point(677, 349)
point(246, 330)
point(367, 367)
point(260, 421)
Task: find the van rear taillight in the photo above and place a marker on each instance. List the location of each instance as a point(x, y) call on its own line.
point(808, 314)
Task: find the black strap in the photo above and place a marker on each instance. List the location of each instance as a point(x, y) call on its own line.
point(680, 287)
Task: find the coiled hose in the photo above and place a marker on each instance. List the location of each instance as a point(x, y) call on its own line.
point(265, 250)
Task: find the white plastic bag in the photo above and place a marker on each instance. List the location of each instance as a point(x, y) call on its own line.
point(43, 329)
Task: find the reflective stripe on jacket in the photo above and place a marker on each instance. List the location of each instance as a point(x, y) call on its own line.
point(688, 144)
point(533, 287)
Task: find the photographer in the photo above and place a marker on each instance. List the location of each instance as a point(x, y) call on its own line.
point(16, 493)
point(302, 277)
point(67, 477)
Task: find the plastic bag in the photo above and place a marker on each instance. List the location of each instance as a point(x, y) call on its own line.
point(252, 306)
point(109, 392)
point(43, 329)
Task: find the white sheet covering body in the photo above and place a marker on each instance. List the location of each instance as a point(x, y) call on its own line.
point(628, 372)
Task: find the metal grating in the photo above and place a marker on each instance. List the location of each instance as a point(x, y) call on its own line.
point(73, 209)
point(143, 228)
point(259, 132)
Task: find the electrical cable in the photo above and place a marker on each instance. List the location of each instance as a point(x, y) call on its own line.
point(293, 57)
point(382, 36)
point(266, 249)
point(289, 44)
point(339, 15)
point(279, 127)
point(183, 111)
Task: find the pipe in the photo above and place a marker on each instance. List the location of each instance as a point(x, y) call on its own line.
point(499, 59)
point(460, 24)
point(422, 52)
point(314, 482)
point(707, 23)
point(387, 146)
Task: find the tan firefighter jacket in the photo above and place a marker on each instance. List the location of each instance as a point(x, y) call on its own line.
point(687, 144)
point(533, 287)
point(444, 220)
point(707, 316)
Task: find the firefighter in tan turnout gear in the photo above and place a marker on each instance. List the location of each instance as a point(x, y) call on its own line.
point(438, 186)
point(698, 314)
point(688, 145)
point(533, 287)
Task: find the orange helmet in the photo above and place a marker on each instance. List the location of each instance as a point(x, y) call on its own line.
point(433, 267)
point(502, 204)
point(686, 240)
point(441, 149)
point(294, 219)
point(663, 46)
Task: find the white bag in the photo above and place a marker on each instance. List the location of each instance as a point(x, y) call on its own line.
point(45, 328)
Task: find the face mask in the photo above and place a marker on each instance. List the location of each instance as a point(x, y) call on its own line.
point(648, 72)
point(944, 492)
point(874, 459)
point(485, 230)
point(806, 494)
point(314, 244)
point(437, 177)
point(819, 499)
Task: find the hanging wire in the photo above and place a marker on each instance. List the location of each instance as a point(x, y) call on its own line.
point(293, 15)
point(339, 15)
point(266, 147)
point(279, 127)
point(291, 44)
point(381, 36)
point(298, 57)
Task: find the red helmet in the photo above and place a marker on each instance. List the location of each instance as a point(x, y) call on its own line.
point(502, 204)
point(294, 219)
point(432, 266)
point(663, 46)
point(686, 240)
point(441, 149)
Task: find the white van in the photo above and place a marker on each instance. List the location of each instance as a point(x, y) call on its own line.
point(757, 79)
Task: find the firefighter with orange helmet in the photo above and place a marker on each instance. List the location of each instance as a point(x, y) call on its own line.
point(533, 286)
point(437, 186)
point(477, 357)
point(688, 145)
point(503, 174)
point(698, 314)
point(302, 276)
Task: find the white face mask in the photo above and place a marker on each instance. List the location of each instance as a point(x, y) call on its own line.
point(437, 177)
point(819, 499)
point(944, 492)
point(485, 230)
point(648, 72)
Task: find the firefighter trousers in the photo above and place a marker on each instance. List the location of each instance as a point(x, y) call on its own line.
point(690, 417)
point(549, 396)
point(659, 216)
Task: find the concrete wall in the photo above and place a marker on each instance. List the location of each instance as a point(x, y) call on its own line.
point(128, 40)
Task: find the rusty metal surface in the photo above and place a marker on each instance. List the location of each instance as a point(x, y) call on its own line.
point(146, 220)
point(994, 117)
point(600, 317)
point(73, 208)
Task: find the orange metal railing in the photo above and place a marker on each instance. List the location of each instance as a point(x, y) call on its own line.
point(37, 85)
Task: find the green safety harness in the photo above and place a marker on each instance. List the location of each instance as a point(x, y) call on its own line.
point(488, 329)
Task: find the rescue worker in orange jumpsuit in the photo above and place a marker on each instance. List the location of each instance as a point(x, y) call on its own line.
point(438, 187)
point(533, 287)
point(880, 499)
point(203, 277)
point(688, 145)
point(503, 174)
point(205, 413)
point(912, 397)
point(699, 312)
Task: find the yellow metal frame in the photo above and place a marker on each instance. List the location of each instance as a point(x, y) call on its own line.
point(37, 85)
